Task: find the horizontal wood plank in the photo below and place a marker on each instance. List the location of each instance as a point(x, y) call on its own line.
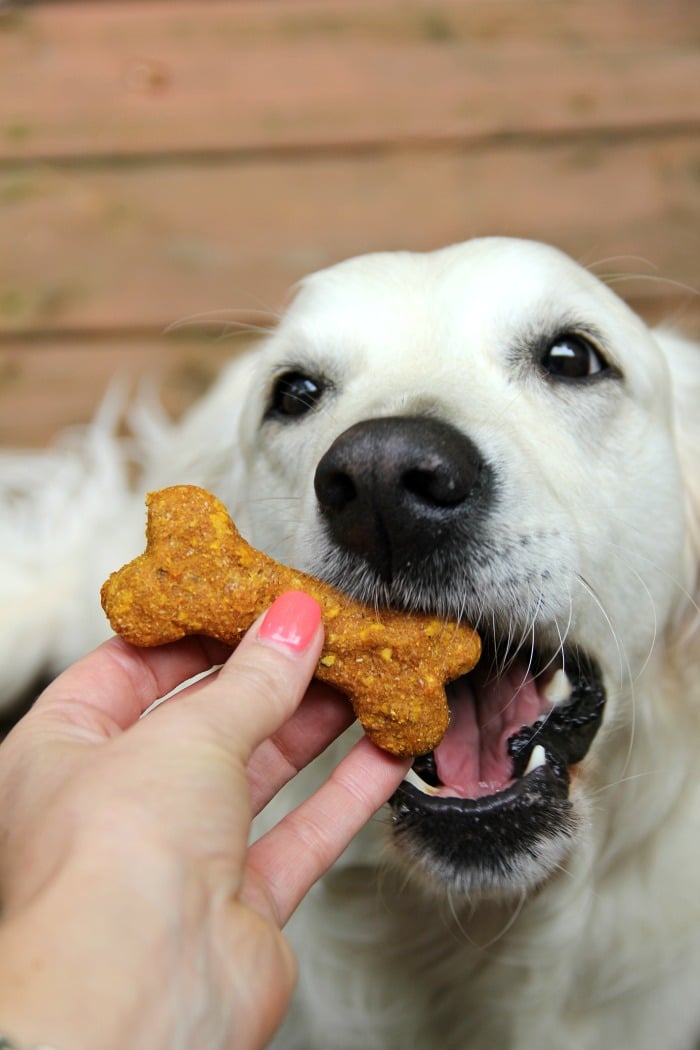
point(47, 385)
point(134, 79)
point(105, 250)
point(186, 163)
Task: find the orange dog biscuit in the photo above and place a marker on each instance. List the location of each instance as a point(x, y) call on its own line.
point(199, 576)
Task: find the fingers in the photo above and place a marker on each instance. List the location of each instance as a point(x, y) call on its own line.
point(291, 857)
point(120, 681)
point(263, 682)
point(250, 711)
point(321, 717)
point(257, 689)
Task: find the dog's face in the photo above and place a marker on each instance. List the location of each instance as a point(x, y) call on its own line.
point(483, 432)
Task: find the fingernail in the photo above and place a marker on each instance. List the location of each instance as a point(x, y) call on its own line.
point(292, 620)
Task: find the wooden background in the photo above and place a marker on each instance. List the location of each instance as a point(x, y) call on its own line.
point(168, 169)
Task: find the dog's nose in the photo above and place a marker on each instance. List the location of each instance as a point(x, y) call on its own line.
point(392, 489)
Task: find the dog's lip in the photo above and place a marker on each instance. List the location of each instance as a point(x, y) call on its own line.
point(536, 756)
point(541, 785)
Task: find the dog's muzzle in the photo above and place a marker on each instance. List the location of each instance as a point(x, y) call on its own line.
point(405, 503)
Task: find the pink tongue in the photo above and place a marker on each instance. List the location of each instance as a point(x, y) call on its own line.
point(472, 758)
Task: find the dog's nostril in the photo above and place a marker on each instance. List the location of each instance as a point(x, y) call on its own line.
point(338, 490)
point(436, 486)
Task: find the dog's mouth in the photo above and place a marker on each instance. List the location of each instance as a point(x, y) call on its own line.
point(492, 800)
point(497, 806)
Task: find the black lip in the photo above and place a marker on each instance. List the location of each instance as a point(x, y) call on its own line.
point(482, 843)
point(517, 815)
point(568, 731)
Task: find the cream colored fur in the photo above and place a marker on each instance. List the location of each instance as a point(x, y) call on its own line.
point(605, 950)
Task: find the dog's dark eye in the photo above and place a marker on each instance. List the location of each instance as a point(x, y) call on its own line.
point(294, 394)
point(572, 356)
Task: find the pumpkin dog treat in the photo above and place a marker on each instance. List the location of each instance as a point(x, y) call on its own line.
point(199, 576)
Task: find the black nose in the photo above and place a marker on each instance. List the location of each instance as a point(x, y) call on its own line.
point(392, 490)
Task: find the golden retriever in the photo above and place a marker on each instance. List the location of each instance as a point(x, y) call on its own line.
point(488, 432)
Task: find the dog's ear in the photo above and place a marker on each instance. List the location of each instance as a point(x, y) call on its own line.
point(683, 358)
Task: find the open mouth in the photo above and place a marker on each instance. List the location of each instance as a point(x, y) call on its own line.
point(496, 788)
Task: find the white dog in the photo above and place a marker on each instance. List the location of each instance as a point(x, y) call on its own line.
point(488, 432)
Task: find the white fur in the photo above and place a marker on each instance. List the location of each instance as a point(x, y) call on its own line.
point(603, 481)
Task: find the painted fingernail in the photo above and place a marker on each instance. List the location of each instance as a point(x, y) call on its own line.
point(292, 621)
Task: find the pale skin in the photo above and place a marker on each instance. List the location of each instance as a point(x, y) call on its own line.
point(134, 912)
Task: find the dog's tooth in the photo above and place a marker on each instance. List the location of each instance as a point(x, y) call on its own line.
point(537, 759)
point(412, 778)
point(558, 688)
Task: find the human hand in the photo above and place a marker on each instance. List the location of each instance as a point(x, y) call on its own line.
point(134, 910)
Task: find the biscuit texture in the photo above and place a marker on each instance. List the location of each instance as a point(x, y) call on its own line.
point(199, 576)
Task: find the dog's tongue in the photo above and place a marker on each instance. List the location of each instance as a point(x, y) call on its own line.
point(472, 758)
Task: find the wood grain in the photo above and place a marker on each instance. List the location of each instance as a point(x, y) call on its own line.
point(185, 163)
point(47, 385)
point(151, 77)
point(147, 247)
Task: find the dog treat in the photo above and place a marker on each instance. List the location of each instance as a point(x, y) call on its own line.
point(199, 576)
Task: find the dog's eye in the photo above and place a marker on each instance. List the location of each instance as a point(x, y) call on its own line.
point(294, 394)
point(571, 356)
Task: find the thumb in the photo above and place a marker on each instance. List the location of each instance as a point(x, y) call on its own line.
point(264, 680)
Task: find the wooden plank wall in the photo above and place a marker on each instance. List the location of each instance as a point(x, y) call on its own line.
point(169, 169)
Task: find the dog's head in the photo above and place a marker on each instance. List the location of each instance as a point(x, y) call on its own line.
point(485, 432)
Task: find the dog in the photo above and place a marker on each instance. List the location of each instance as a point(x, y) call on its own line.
point(489, 433)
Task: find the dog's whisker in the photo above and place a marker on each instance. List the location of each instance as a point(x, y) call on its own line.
point(665, 574)
point(634, 275)
point(528, 669)
point(625, 674)
point(559, 651)
point(483, 947)
point(655, 623)
point(592, 267)
point(626, 779)
point(226, 318)
point(623, 663)
point(453, 920)
point(563, 636)
point(620, 278)
point(684, 620)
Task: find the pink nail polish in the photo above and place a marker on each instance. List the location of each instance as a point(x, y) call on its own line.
point(292, 621)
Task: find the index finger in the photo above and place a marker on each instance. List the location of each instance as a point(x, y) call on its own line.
point(290, 857)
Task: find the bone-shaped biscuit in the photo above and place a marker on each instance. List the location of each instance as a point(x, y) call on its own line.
point(199, 576)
